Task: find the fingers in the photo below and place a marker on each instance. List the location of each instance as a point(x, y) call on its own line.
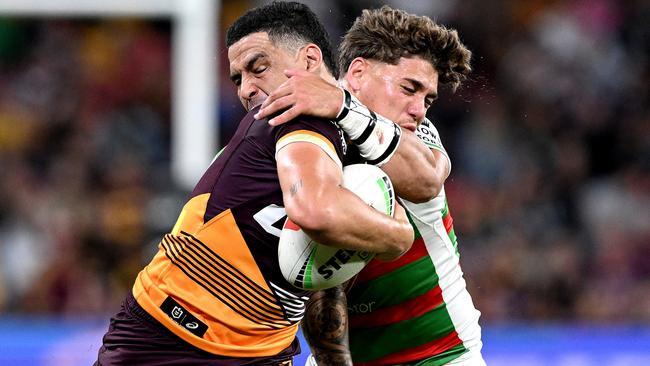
point(286, 116)
point(295, 72)
point(269, 106)
point(283, 90)
point(279, 105)
point(302, 93)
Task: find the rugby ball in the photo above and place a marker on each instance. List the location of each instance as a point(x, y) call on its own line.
point(309, 265)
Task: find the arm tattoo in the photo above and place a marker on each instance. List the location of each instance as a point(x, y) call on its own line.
point(295, 187)
point(325, 327)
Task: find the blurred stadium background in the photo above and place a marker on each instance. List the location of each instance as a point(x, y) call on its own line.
point(108, 112)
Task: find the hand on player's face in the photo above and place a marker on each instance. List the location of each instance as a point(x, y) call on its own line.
point(256, 68)
point(402, 93)
point(303, 93)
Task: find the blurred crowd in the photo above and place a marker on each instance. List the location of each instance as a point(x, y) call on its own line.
point(549, 141)
point(84, 157)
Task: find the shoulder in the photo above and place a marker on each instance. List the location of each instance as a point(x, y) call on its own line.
point(311, 129)
point(315, 125)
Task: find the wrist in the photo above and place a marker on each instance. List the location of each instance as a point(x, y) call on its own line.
point(345, 103)
point(376, 136)
point(349, 119)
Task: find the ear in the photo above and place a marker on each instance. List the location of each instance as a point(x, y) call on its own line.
point(313, 56)
point(356, 71)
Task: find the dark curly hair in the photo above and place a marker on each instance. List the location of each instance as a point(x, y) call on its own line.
point(388, 34)
point(290, 24)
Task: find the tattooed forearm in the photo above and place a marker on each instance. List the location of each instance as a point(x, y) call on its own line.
point(325, 327)
point(295, 187)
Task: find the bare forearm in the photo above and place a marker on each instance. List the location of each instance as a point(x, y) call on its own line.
point(330, 214)
point(356, 226)
point(414, 170)
point(325, 327)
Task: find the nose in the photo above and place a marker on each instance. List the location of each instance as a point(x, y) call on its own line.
point(417, 110)
point(248, 90)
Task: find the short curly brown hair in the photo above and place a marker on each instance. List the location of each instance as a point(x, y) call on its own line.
point(388, 34)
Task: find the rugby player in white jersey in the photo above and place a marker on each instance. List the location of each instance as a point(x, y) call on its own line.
point(416, 310)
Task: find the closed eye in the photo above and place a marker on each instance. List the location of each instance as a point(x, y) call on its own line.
point(236, 79)
point(408, 89)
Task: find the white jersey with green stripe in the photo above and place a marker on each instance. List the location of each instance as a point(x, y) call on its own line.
point(416, 308)
point(440, 241)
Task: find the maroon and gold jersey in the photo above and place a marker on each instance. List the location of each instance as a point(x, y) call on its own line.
point(215, 280)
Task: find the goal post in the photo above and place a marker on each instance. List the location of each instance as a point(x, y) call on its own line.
point(194, 125)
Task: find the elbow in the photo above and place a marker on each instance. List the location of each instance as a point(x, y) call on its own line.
point(427, 193)
point(311, 218)
point(427, 189)
point(433, 189)
point(397, 248)
point(400, 248)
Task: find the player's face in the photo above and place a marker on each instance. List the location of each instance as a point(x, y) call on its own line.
point(256, 67)
point(403, 93)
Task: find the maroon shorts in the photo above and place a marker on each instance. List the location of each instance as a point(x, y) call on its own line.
point(135, 338)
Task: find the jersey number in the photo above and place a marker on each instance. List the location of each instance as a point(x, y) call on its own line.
point(271, 218)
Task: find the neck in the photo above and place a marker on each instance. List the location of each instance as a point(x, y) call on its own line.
point(344, 83)
point(327, 76)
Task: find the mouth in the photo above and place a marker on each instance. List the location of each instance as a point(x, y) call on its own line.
point(411, 126)
point(254, 103)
